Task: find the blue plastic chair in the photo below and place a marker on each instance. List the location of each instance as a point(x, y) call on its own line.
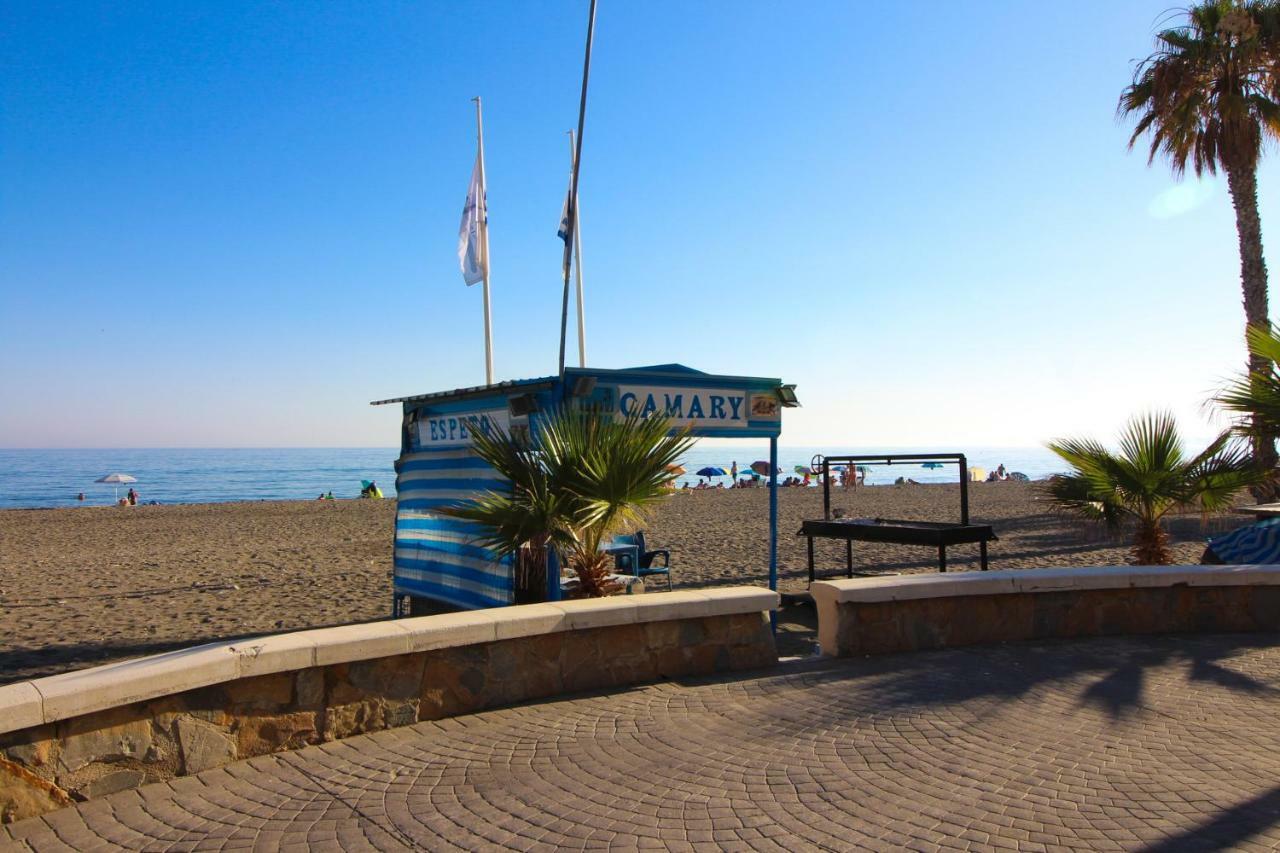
point(622, 559)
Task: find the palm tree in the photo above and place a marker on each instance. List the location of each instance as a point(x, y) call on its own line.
point(582, 478)
point(1150, 477)
point(1255, 396)
point(1209, 96)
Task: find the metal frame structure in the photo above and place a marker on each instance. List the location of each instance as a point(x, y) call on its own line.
point(897, 531)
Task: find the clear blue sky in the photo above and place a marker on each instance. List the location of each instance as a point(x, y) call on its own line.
point(234, 224)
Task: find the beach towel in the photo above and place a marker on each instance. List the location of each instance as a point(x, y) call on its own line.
point(1257, 543)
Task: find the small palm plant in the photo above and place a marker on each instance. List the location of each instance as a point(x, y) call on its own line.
point(1148, 478)
point(1255, 397)
point(582, 478)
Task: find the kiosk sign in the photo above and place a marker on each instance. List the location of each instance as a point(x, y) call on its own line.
point(454, 430)
point(721, 408)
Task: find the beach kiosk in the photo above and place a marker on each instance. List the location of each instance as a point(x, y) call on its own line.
point(438, 560)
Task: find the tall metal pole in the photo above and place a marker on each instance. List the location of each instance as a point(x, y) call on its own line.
point(484, 247)
point(577, 267)
point(573, 183)
point(773, 523)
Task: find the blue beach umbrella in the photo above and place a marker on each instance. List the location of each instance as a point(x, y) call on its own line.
point(931, 465)
point(710, 472)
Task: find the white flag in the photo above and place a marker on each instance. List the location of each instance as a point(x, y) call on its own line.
point(563, 233)
point(475, 215)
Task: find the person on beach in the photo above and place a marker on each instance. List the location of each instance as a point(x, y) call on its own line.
point(133, 497)
point(733, 470)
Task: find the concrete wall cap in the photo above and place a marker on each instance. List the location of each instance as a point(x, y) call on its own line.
point(71, 694)
point(528, 620)
point(730, 600)
point(21, 707)
point(447, 630)
point(275, 653)
point(910, 587)
point(85, 691)
point(347, 643)
point(598, 612)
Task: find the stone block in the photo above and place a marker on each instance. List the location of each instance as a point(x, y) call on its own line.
point(82, 692)
point(21, 707)
point(693, 632)
point(398, 677)
point(108, 736)
point(267, 733)
point(23, 794)
point(454, 681)
point(308, 689)
point(261, 693)
point(367, 715)
point(524, 668)
point(451, 629)
point(662, 635)
point(204, 745)
point(371, 695)
point(621, 643)
point(33, 748)
point(1263, 607)
point(111, 782)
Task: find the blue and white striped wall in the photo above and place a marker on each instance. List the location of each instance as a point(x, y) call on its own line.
point(436, 556)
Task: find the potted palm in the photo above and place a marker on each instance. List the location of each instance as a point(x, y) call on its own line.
point(1148, 478)
point(582, 477)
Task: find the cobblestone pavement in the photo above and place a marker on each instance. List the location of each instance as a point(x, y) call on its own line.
point(1164, 743)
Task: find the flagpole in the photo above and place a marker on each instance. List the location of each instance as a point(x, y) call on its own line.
point(577, 251)
point(573, 184)
point(484, 247)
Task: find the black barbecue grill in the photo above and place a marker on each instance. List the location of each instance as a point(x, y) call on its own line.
point(938, 534)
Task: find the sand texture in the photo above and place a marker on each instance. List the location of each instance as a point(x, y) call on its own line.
point(86, 585)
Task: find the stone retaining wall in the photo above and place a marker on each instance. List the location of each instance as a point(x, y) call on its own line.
point(897, 614)
point(86, 734)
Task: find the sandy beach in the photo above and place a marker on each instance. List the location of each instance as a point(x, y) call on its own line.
point(87, 585)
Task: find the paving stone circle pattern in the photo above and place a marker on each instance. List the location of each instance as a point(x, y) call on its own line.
point(1162, 743)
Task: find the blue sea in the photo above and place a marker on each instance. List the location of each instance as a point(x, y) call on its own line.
point(53, 478)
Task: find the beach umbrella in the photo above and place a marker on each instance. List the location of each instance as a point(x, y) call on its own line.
point(801, 469)
point(710, 472)
point(762, 468)
point(931, 465)
point(675, 470)
point(116, 480)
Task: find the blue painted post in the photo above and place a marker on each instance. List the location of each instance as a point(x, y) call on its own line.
point(553, 575)
point(773, 522)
